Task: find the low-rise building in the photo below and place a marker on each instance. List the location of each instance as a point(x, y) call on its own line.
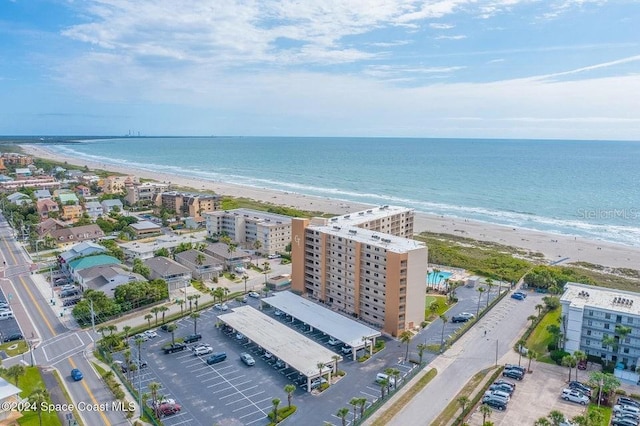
point(106, 278)
point(77, 265)
point(83, 191)
point(604, 323)
point(264, 232)
point(93, 209)
point(79, 250)
point(176, 275)
point(78, 234)
point(9, 398)
point(202, 266)
point(67, 198)
point(145, 228)
point(231, 260)
point(36, 182)
point(188, 204)
point(117, 184)
point(144, 193)
point(42, 194)
point(45, 207)
point(18, 198)
point(71, 212)
point(146, 250)
point(109, 205)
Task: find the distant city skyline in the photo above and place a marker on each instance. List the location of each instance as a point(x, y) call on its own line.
point(560, 69)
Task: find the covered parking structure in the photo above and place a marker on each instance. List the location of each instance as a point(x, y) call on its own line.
point(318, 317)
point(298, 351)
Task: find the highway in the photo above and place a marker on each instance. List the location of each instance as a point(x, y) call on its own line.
point(54, 345)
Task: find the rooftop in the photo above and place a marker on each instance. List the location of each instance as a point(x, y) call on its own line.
point(378, 239)
point(374, 213)
point(332, 323)
point(145, 225)
point(90, 261)
point(256, 215)
point(295, 349)
point(585, 296)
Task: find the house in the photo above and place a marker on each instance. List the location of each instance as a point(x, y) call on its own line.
point(144, 193)
point(236, 259)
point(189, 204)
point(5, 178)
point(18, 198)
point(117, 184)
point(75, 235)
point(193, 223)
point(83, 191)
point(145, 227)
point(75, 266)
point(176, 275)
point(72, 213)
point(145, 250)
point(46, 226)
point(74, 174)
point(603, 323)
point(83, 249)
point(106, 278)
point(109, 205)
point(9, 398)
point(202, 266)
point(46, 206)
point(93, 209)
point(42, 194)
point(23, 172)
point(67, 198)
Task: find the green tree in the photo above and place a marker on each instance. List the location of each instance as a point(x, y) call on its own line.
point(485, 411)
point(154, 387)
point(343, 413)
point(275, 402)
point(569, 361)
point(480, 291)
point(421, 348)
point(445, 320)
point(148, 318)
point(532, 318)
point(556, 417)
point(194, 316)
point(126, 329)
point(539, 307)
point(163, 310)
point(463, 401)
point(15, 372)
point(405, 337)
point(289, 390)
point(140, 268)
point(531, 354)
point(354, 403)
point(155, 311)
point(579, 356)
point(605, 382)
point(171, 328)
point(362, 402)
point(542, 421)
point(162, 252)
point(181, 303)
point(37, 399)
point(490, 285)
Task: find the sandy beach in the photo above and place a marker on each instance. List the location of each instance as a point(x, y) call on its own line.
point(554, 247)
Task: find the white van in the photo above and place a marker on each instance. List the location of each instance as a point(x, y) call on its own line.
point(6, 315)
point(381, 377)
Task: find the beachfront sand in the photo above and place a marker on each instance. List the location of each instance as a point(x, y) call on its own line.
point(554, 247)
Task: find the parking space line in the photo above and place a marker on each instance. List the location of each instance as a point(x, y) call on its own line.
point(244, 383)
point(210, 378)
point(219, 390)
point(191, 420)
point(247, 415)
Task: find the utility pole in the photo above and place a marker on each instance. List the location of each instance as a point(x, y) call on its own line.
point(51, 281)
point(496, 352)
point(93, 319)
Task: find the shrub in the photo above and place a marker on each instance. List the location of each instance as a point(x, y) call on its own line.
point(283, 413)
point(620, 392)
point(552, 347)
point(557, 355)
point(323, 387)
point(363, 358)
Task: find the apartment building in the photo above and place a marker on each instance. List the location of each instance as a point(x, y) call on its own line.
point(145, 193)
point(246, 226)
point(16, 159)
point(189, 204)
point(604, 323)
point(117, 184)
point(392, 220)
point(378, 278)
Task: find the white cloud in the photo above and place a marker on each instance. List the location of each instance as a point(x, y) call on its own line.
point(453, 37)
point(437, 26)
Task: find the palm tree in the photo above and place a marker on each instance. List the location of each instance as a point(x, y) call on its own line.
point(37, 399)
point(148, 318)
point(354, 403)
point(164, 310)
point(289, 390)
point(320, 366)
point(112, 329)
point(171, 328)
point(421, 348)
point(463, 401)
point(405, 337)
point(579, 356)
point(556, 417)
point(126, 329)
point(521, 344)
point(490, 284)
point(542, 421)
point(531, 354)
point(480, 291)
point(15, 372)
point(335, 359)
point(102, 329)
point(181, 303)
point(343, 413)
point(532, 318)
point(194, 316)
point(200, 259)
point(190, 300)
point(362, 402)
point(155, 310)
point(154, 387)
point(383, 385)
point(127, 359)
point(275, 402)
point(486, 412)
point(444, 319)
point(195, 299)
point(433, 307)
point(539, 308)
point(569, 361)
point(622, 332)
point(139, 341)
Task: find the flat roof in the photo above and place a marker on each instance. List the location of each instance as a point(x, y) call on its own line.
point(585, 296)
point(297, 350)
point(332, 323)
point(368, 215)
point(374, 238)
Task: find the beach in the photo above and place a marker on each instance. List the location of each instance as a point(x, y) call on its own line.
point(555, 248)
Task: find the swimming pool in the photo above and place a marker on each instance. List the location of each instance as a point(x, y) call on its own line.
point(437, 278)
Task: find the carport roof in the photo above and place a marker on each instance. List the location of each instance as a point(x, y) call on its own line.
point(297, 350)
point(332, 323)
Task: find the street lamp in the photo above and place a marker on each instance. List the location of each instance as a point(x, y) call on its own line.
point(245, 278)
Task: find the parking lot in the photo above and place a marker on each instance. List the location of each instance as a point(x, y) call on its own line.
point(535, 396)
point(9, 326)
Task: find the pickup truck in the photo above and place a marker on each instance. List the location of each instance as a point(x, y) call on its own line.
point(174, 348)
point(192, 338)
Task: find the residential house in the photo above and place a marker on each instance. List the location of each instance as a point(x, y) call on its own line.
point(75, 266)
point(189, 204)
point(202, 266)
point(265, 232)
point(77, 251)
point(106, 278)
point(117, 184)
point(37, 182)
point(89, 178)
point(176, 275)
point(23, 172)
point(231, 260)
point(83, 191)
point(109, 205)
point(18, 198)
point(5, 178)
point(9, 398)
point(193, 223)
point(46, 206)
point(603, 323)
point(42, 194)
point(144, 193)
point(78, 234)
point(140, 250)
point(67, 198)
point(74, 175)
point(48, 225)
point(93, 209)
point(72, 212)
point(145, 228)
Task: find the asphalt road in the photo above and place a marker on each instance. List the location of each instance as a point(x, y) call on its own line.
point(55, 345)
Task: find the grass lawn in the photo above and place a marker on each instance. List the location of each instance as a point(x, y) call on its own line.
point(605, 411)
point(454, 407)
point(28, 383)
point(20, 349)
point(442, 306)
point(540, 338)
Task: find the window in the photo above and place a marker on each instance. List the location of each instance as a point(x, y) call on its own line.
point(629, 320)
point(589, 322)
point(607, 316)
point(625, 350)
point(588, 332)
point(588, 342)
point(606, 326)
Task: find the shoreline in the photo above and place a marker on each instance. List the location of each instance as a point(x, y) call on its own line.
point(554, 247)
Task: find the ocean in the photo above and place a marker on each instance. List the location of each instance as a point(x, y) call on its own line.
point(588, 189)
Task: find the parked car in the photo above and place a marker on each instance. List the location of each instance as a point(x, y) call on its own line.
point(69, 293)
point(239, 336)
point(518, 296)
point(267, 355)
point(216, 358)
point(628, 417)
point(626, 409)
point(462, 317)
point(12, 337)
point(202, 350)
point(498, 404)
point(71, 302)
point(280, 364)
point(513, 374)
point(174, 348)
point(618, 421)
point(574, 396)
point(221, 306)
point(164, 327)
point(76, 374)
point(346, 349)
point(190, 338)
point(168, 409)
point(623, 400)
point(277, 312)
point(247, 359)
point(502, 388)
point(142, 336)
point(505, 382)
point(150, 334)
point(333, 341)
point(254, 294)
point(498, 394)
point(515, 367)
point(68, 287)
point(580, 387)
point(582, 364)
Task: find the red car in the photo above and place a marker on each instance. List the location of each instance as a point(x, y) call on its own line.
point(168, 409)
point(582, 364)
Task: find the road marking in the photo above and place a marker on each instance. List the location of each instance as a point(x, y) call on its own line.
point(93, 398)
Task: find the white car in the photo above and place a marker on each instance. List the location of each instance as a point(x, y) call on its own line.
point(150, 334)
point(67, 287)
point(574, 396)
point(333, 341)
point(142, 336)
point(274, 256)
point(221, 307)
point(268, 355)
point(240, 336)
point(254, 294)
point(202, 350)
point(277, 312)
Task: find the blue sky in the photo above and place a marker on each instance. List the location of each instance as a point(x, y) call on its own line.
point(435, 68)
